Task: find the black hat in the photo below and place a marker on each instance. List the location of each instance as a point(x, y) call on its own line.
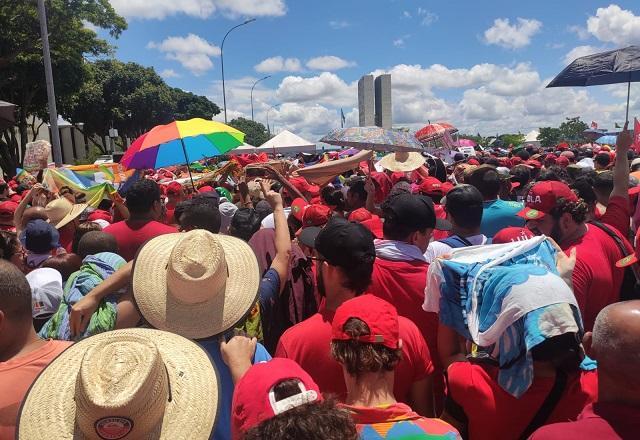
point(416, 212)
point(345, 244)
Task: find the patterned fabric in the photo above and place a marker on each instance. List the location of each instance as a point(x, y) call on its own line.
point(507, 298)
point(398, 422)
point(94, 270)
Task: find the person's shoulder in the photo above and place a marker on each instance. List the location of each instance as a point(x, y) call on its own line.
point(408, 328)
point(158, 226)
point(303, 329)
point(558, 431)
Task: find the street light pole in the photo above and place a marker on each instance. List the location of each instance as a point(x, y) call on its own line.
point(51, 95)
point(254, 84)
point(224, 95)
point(270, 108)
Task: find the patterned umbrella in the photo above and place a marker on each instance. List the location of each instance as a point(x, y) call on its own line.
point(434, 131)
point(373, 138)
point(181, 142)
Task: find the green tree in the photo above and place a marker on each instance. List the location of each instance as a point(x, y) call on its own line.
point(255, 133)
point(549, 136)
point(22, 78)
point(511, 139)
point(189, 105)
point(572, 130)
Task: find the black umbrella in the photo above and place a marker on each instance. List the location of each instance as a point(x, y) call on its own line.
point(613, 67)
point(7, 114)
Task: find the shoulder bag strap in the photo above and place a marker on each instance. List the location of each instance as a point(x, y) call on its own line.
point(549, 404)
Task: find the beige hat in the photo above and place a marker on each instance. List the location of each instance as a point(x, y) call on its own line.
point(61, 211)
point(124, 384)
point(402, 161)
point(196, 284)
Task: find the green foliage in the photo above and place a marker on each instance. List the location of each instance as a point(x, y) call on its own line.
point(512, 139)
point(255, 133)
point(571, 130)
point(189, 105)
point(549, 136)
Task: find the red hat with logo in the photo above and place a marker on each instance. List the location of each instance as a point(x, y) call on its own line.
point(629, 259)
point(510, 234)
point(431, 185)
point(370, 221)
point(316, 215)
point(297, 207)
point(542, 198)
point(380, 316)
point(303, 186)
point(254, 399)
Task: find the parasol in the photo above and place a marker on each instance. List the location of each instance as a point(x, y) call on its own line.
point(372, 138)
point(431, 132)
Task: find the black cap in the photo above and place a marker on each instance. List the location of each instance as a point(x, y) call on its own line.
point(212, 196)
point(345, 244)
point(415, 212)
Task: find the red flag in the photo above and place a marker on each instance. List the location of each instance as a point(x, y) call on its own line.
point(594, 125)
point(636, 135)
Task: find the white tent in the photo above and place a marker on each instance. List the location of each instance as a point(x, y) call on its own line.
point(532, 138)
point(243, 149)
point(286, 142)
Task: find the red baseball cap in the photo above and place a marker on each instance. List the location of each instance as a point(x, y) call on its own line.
point(398, 176)
point(542, 199)
point(562, 146)
point(298, 207)
point(8, 208)
point(473, 162)
point(507, 235)
point(303, 186)
point(18, 198)
point(562, 161)
point(254, 399)
point(380, 316)
point(205, 188)
point(431, 185)
point(534, 163)
point(629, 259)
point(370, 221)
point(99, 214)
point(551, 158)
point(175, 188)
point(316, 215)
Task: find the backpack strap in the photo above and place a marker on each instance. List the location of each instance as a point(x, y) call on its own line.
point(455, 241)
point(619, 243)
point(547, 407)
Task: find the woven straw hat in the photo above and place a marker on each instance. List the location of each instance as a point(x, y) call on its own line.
point(124, 384)
point(402, 161)
point(61, 211)
point(195, 284)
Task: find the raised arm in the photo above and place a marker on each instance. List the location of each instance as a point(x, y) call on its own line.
point(621, 167)
point(282, 258)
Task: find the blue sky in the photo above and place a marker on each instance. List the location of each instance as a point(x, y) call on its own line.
point(480, 65)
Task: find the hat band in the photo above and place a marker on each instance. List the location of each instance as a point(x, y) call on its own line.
point(303, 397)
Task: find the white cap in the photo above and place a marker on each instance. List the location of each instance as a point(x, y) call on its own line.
point(269, 223)
point(635, 162)
point(227, 210)
point(46, 291)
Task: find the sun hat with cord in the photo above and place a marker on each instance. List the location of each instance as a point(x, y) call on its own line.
point(131, 383)
point(61, 211)
point(196, 284)
point(402, 161)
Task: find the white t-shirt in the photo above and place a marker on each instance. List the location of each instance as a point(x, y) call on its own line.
point(437, 249)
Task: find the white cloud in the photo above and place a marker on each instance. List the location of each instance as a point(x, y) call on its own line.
point(512, 36)
point(160, 9)
point(581, 51)
point(428, 17)
point(339, 24)
point(326, 88)
point(328, 63)
point(88, 25)
point(400, 41)
point(406, 14)
point(169, 73)
point(615, 25)
point(278, 64)
point(581, 32)
point(192, 51)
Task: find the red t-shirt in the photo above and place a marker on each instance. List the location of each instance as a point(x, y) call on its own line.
point(602, 421)
point(618, 215)
point(309, 344)
point(66, 238)
point(402, 283)
point(495, 414)
point(596, 279)
point(442, 214)
point(16, 376)
point(131, 235)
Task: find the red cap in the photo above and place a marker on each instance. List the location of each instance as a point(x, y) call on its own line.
point(297, 207)
point(542, 198)
point(316, 215)
point(380, 316)
point(507, 235)
point(534, 163)
point(174, 188)
point(398, 176)
point(563, 161)
point(568, 154)
point(253, 396)
point(303, 186)
point(370, 221)
point(8, 208)
point(550, 158)
point(316, 201)
point(431, 185)
point(473, 162)
point(562, 146)
point(99, 214)
point(515, 160)
point(205, 188)
point(17, 197)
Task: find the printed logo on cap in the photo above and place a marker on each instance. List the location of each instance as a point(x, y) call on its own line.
point(534, 199)
point(532, 213)
point(113, 428)
point(625, 261)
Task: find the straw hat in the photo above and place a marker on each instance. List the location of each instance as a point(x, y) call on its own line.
point(402, 161)
point(61, 211)
point(195, 284)
point(124, 384)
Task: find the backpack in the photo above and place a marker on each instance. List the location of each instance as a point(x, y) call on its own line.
point(455, 241)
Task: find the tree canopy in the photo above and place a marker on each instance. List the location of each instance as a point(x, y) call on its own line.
point(571, 130)
point(255, 133)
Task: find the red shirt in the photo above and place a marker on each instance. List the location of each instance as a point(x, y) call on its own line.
point(618, 215)
point(495, 414)
point(442, 214)
point(131, 235)
point(402, 283)
point(596, 279)
point(309, 344)
point(600, 421)
point(66, 238)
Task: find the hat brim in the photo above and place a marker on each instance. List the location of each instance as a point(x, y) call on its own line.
point(75, 212)
point(308, 236)
point(413, 162)
point(627, 261)
point(50, 403)
point(531, 214)
point(202, 320)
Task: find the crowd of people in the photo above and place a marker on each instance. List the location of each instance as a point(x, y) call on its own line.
point(494, 297)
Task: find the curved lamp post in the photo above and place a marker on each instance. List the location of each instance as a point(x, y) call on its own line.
point(270, 108)
point(224, 95)
point(254, 84)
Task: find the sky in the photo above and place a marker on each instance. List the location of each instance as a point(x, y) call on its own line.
point(480, 65)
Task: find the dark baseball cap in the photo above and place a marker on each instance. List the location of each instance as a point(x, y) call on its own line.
point(40, 237)
point(415, 212)
point(345, 244)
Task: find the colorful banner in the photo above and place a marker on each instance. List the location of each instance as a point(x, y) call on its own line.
point(55, 178)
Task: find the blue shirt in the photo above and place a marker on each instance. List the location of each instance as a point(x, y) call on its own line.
point(499, 214)
point(222, 430)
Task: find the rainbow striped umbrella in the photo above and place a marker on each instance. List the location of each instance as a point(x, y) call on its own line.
point(181, 142)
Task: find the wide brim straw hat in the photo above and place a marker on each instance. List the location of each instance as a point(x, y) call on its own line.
point(132, 383)
point(196, 284)
point(61, 211)
point(402, 161)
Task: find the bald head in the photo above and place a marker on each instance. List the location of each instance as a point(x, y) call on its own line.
point(616, 341)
